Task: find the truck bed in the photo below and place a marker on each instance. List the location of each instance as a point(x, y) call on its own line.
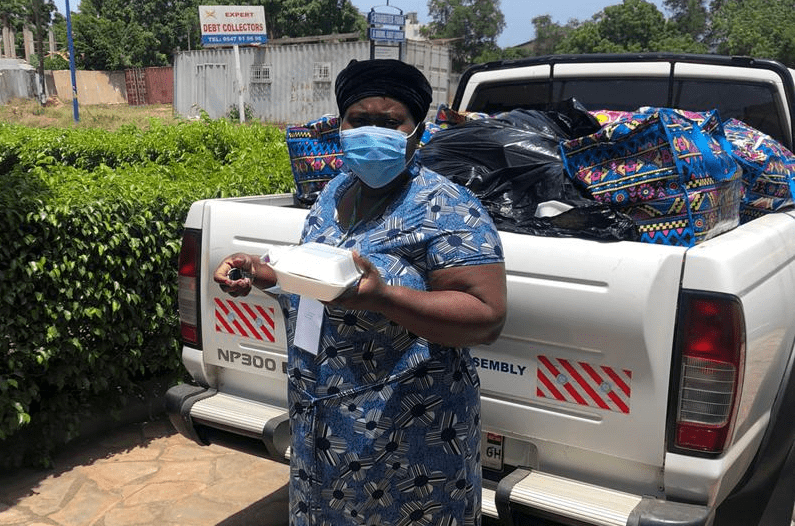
point(578, 382)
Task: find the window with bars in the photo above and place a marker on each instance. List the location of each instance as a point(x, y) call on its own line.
point(322, 72)
point(261, 74)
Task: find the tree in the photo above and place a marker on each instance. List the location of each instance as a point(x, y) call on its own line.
point(472, 26)
point(689, 17)
point(303, 18)
point(41, 16)
point(587, 39)
point(12, 14)
point(36, 14)
point(549, 34)
point(108, 36)
point(758, 28)
point(114, 34)
point(59, 32)
point(634, 26)
point(104, 44)
point(173, 23)
point(514, 53)
point(300, 18)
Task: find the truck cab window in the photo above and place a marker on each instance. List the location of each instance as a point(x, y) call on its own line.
point(754, 104)
point(498, 97)
point(751, 103)
point(600, 93)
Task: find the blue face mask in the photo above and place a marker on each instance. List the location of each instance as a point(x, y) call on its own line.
point(375, 155)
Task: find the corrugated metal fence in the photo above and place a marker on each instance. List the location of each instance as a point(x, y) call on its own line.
point(17, 80)
point(288, 84)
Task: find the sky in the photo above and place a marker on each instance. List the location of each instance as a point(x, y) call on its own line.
point(518, 13)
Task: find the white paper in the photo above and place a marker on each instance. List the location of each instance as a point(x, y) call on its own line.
point(308, 323)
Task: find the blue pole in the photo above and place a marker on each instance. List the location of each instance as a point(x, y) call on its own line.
point(75, 110)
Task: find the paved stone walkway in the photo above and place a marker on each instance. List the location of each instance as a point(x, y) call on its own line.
point(146, 474)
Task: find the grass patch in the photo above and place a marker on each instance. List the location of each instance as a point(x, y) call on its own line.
point(110, 117)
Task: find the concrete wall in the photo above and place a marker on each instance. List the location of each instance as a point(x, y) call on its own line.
point(19, 80)
point(93, 87)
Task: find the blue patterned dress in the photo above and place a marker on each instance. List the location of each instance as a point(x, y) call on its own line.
point(386, 426)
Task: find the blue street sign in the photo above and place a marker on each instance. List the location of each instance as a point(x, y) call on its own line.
point(387, 35)
point(387, 19)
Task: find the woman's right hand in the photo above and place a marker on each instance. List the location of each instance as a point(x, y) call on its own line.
point(250, 265)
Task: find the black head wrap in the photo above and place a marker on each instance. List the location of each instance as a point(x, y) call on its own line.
point(384, 77)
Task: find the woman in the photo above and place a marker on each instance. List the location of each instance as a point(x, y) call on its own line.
point(385, 408)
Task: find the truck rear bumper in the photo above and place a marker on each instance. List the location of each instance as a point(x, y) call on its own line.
point(205, 415)
point(528, 494)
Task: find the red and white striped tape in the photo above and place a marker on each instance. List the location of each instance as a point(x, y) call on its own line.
point(583, 383)
point(245, 319)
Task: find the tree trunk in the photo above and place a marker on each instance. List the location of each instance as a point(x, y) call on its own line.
point(40, 48)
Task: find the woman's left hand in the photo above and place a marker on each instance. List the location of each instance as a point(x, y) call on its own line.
point(366, 293)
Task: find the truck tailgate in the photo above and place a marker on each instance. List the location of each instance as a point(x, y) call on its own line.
point(583, 363)
point(581, 369)
point(244, 338)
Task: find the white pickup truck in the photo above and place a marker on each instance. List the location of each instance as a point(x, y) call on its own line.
point(596, 406)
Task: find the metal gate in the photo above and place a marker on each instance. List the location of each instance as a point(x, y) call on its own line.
point(135, 81)
point(154, 85)
point(211, 87)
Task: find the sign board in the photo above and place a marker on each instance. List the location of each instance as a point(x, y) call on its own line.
point(387, 35)
point(232, 25)
point(387, 19)
point(382, 52)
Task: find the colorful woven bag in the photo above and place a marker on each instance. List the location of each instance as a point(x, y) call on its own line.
point(315, 156)
point(673, 175)
point(768, 170)
point(634, 118)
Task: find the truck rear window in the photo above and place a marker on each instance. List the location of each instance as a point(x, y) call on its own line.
point(751, 103)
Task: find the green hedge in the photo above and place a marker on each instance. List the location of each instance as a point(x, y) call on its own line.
point(91, 231)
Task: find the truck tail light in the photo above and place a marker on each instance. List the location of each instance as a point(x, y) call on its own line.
point(189, 272)
point(712, 350)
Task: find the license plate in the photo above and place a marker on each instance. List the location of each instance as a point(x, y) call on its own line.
point(491, 451)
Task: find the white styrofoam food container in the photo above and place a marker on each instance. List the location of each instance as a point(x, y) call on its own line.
point(316, 270)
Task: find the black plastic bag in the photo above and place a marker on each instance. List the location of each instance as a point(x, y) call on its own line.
point(512, 163)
